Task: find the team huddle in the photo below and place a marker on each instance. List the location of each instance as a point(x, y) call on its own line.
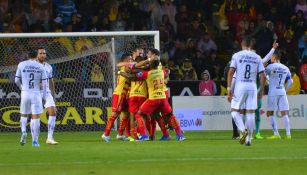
point(141, 95)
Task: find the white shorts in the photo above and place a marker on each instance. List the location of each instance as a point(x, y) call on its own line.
point(244, 99)
point(31, 103)
point(278, 103)
point(49, 101)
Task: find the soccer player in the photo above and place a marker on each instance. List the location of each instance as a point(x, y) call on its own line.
point(277, 99)
point(29, 76)
point(157, 99)
point(259, 102)
point(247, 65)
point(119, 100)
point(50, 96)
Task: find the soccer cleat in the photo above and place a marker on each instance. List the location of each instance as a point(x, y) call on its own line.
point(258, 136)
point(151, 138)
point(274, 137)
point(143, 138)
point(288, 137)
point(236, 137)
point(180, 137)
point(165, 138)
point(248, 143)
point(244, 135)
point(35, 144)
point(51, 142)
point(120, 137)
point(23, 138)
point(106, 138)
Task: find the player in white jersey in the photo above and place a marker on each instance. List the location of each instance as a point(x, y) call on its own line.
point(50, 96)
point(277, 99)
point(30, 75)
point(247, 65)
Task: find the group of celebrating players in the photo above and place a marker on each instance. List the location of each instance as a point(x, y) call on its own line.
point(141, 94)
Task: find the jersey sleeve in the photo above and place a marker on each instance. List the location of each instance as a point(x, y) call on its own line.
point(44, 74)
point(142, 75)
point(50, 74)
point(233, 62)
point(260, 66)
point(18, 72)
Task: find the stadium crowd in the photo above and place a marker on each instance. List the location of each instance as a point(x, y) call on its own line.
point(197, 37)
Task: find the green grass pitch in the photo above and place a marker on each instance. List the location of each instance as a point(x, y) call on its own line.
point(204, 152)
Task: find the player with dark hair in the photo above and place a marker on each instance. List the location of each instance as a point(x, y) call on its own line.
point(30, 75)
point(50, 96)
point(119, 98)
point(157, 99)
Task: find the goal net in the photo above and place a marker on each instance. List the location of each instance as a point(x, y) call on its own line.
point(83, 71)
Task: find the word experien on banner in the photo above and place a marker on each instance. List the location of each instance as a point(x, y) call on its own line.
point(190, 119)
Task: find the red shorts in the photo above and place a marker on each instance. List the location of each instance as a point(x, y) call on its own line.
point(119, 103)
point(135, 103)
point(149, 106)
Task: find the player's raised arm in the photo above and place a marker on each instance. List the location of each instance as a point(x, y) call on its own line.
point(269, 55)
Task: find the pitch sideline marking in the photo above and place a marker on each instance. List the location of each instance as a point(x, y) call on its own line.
point(151, 160)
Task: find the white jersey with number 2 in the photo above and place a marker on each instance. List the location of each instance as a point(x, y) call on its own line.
point(31, 73)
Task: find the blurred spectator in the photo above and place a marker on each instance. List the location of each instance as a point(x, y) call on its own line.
point(207, 86)
point(155, 11)
point(167, 30)
point(301, 6)
point(295, 88)
point(76, 23)
point(188, 70)
point(196, 29)
point(65, 9)
point(175, 72)
point(183, 22)
point(302, 46)
point(303, 75)
point(83, 44)
point(169, 9)
point(265, 38)
point(205, 44)
point(299, 24)
point(97, 74)
point(42, 11)
point(94, 25)
point(119, 24)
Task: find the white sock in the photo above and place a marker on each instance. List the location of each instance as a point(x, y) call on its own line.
point(32, 128)
point(51, 125)
point(35, 129)
point(23, 124)
point(250, 123)
point(274, 125)
point(285, 118)
point(238, 120)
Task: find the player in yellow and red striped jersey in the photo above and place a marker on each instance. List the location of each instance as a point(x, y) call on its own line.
point(137, 95)
point(119, 100)
point(157, 99)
